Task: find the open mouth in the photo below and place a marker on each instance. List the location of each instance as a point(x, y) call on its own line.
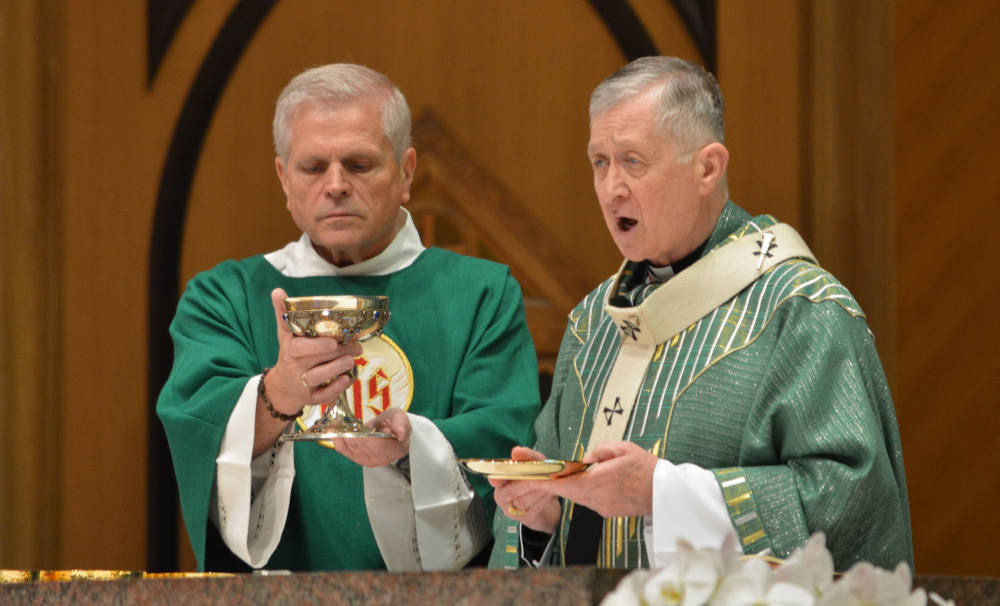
point(625, 223)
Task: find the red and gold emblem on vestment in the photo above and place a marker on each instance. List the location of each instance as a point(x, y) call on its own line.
point(385, 379)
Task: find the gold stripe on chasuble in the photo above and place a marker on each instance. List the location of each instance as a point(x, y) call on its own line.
point(742, 509)
point(619, 535)
point(737, 499)
point(608, 560)
point(658, 353)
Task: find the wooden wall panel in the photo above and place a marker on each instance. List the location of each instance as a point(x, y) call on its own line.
point(947, 92)
point(510, 81)
point(30, 272)
point(761, 58)
point(850, 177)
point(112, 151)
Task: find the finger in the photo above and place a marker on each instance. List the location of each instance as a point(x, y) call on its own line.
point(323, 349)
point(396, 422)
point(534, 500)
point(320, 394)
point(523, 453)
point(607, 450)
point(323, 372)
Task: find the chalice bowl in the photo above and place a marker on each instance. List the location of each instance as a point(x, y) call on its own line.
point(347, 318)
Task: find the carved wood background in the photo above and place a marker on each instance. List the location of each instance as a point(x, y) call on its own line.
point(863, 124)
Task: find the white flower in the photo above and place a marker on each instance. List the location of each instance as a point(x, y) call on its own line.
point(755, 585)
point(689, 579)
point(810, 567)
point(866, 585)
point(939, 600)
point(628, 590)
point(719, 577)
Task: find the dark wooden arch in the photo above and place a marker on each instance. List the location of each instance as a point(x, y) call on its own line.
point(164, 258)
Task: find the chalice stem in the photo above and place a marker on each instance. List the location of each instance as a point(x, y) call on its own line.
point(339, 415)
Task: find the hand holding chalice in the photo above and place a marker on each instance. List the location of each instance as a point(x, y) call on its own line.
point(348, 319)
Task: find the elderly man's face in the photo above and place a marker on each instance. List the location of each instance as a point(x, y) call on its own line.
point(650, 200)
point(342, 182)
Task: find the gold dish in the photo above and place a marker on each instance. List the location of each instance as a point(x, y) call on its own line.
point(509, 469)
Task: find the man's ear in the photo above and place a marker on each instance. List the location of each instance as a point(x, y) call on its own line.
point(279, 166)
point(408, 164)
point(710, 163)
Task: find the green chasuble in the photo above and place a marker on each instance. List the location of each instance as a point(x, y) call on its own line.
point(779, 392)
point(459, 321)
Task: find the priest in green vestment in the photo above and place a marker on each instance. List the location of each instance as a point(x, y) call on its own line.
point(721, 383)
point(453, 375)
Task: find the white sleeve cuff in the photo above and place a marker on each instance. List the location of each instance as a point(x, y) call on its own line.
point(250, 498)
point(440, 513)
point(688, 504)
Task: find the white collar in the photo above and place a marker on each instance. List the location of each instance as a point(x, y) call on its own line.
point(299, 259)
point(659, 274)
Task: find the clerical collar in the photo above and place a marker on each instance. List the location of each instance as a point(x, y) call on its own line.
point(644, 271)
point(659, 274)
point(641, 278)
point(299, 259)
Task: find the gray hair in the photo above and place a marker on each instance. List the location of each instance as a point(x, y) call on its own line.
point(338, 83)
point(688, 99)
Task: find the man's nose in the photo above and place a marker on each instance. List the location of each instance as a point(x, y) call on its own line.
point(337, 184)
point(613, 186)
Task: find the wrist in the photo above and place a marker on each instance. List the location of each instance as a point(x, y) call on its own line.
point(268, 405)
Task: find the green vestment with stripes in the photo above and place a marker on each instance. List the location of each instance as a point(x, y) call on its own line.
point(779, 392)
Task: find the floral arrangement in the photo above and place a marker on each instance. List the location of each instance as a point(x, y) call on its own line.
point(716, 577)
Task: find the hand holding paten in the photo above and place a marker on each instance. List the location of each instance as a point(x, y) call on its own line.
point(619, 481)
point(523, 501)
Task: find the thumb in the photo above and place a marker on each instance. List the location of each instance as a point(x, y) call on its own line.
point(523, 453)
point(605, 451)
point(278, 297)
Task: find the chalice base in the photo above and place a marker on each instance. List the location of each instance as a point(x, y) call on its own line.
point(336, 428)
point(331, 427)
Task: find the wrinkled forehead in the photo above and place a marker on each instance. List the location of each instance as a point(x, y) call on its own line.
point(625, 125)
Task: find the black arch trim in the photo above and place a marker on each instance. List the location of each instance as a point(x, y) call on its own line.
point(625, 26)
point(163, 17)
point(634, 41)
point(699, 18)
point(164, 263)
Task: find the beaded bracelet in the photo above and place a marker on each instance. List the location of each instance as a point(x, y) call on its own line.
point(267, 403)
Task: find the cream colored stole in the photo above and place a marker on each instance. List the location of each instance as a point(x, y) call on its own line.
point(679, 303)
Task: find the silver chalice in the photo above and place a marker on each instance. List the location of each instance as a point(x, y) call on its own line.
point(347, 318)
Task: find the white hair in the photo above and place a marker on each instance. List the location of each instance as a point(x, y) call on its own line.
point(687, 98)
point(335, 84)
